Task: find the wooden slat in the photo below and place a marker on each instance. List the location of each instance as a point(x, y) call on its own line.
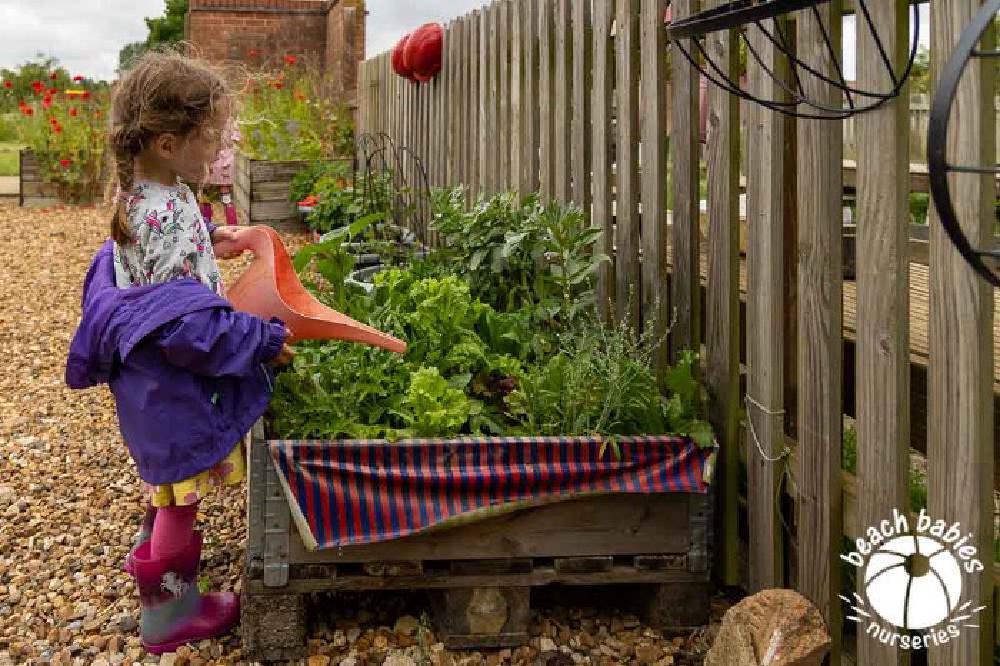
point(628, 280)
point(491, 48)
point(504, 108)
point(516, 148)
point(655, 302)
point(685, 160)
point(722, 333)
point(820, 323)
point(546, 97)
point(607, 525)
point(454, 101)
point(765, 339)
point(528, 181)
point(959, 447)
point(473, 99)
point(562, 100)
point(882, 351)
point(600, 113)
point(580, 137)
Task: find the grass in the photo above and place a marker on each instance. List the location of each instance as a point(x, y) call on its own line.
point(9, 164)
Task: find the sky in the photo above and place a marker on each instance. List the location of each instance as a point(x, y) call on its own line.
point(86, 35)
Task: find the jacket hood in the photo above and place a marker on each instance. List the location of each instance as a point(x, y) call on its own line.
point(113, 320)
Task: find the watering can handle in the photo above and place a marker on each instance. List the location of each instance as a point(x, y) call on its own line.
point(231, 248)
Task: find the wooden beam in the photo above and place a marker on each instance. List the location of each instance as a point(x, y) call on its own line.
point(685, 158)
point(883, 293)
point(960, 452)
point(820, 357)
point(722, 332)
point(765, 337)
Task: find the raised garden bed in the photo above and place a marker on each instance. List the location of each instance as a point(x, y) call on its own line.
point(34, 190)
point(477, 554)
point(262, 190)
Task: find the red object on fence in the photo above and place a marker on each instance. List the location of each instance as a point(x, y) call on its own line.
point(398, 62)
point(422, 53)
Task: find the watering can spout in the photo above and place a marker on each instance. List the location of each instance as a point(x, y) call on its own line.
point(270, 288)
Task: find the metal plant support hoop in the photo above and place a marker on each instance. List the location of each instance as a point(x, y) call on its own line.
point(740, 14)
point(937, 143)
point(377, 155)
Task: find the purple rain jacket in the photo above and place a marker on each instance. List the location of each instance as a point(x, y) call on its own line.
point(186, 370)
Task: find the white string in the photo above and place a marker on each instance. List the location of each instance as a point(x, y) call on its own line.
point(753, 431)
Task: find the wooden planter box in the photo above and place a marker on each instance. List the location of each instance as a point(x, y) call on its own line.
point(35, 192)
point(479, 574)
point(262, 190)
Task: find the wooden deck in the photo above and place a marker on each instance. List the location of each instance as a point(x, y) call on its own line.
point(919, 312)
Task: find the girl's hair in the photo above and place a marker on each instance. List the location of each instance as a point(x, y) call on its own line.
point(163, 92)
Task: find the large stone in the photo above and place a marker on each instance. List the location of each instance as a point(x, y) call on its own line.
point(771, 628)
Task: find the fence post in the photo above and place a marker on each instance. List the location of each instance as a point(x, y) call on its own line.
point(722, 328)
point(959, 447)
point(600, 109)
point(685, 157)
point(820, 279)
point(883, 293)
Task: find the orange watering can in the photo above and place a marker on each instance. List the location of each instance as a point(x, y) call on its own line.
point(270, 288)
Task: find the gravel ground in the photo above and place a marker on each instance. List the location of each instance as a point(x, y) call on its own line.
point(69, 505)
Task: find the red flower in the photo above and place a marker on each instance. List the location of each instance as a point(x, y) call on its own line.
point(65, 164)
point(73, 111)
point(300, 97)
point(53, 91)
point(8, 84)
point(54, 76)
point(78, 78)
point(290, 59)
point(47, 102)
point(97, 114)
point(85, 95)
point(28, 111)
point(278, 85)
point(38, 87)
point(57, 129)
point(53, 122)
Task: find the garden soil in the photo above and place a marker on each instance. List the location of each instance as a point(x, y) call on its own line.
point(70, 504)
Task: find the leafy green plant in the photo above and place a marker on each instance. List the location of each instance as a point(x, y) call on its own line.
point(319, 177)
point(432, 407)
point(541, 254)
point(602, 381)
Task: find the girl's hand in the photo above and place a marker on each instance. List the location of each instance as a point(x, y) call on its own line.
point(284, 357)
point(224, 242)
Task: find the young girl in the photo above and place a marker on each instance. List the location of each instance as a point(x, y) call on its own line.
point(189, 374)
point(220, 177)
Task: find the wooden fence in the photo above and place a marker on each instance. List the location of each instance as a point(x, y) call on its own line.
point(571, 97)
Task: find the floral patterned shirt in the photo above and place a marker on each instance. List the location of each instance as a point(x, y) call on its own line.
point(170, 239)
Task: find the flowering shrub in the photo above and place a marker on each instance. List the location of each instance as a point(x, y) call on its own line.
point(285, 115)
point(65, 129)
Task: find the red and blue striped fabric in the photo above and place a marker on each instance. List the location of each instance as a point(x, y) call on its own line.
point(365, 491)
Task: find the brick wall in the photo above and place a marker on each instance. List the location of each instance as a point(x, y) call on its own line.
point(330, 33)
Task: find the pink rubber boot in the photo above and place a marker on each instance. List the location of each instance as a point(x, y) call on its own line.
point(174, 611)
point(206, 210)
point(229, 208)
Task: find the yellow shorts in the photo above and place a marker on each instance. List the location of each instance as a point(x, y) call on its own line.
point(230, 471)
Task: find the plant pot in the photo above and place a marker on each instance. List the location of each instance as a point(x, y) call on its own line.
point(364, 278)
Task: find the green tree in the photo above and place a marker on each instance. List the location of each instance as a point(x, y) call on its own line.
point(920, 73)
point(166, 29)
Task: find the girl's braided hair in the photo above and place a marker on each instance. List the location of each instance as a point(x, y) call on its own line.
point(163, 93)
